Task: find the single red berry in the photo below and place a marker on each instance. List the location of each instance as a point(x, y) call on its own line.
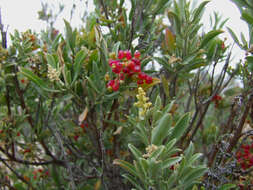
point(110, 83)
point(18, 134)
point(136, 61)
point(131, 66)
point(22, 81)
point(116, 70)
point(137, 54)
point(139, 82)
point(40, 170)
point(222, 45)
point(149, 80)
point(115, 86)
point(47, 173)
point(126, 70)
point(121, 76)
point(128, 54)
point(121, 54)
point(142, 76)
point(76, 137)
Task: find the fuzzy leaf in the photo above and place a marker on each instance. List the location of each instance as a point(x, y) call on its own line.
point(137, 154)
point(161, 130)
point(170, 162)
point(180, 127)
point(127, 166)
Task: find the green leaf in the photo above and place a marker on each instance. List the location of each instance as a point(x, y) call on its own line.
point(116, 48)
point(80, 56)
point(227, 187)
point(157, 152)
point(170, 162)
point(195, 174)
point(55, 176)
point(19, 186)
point(194, 158)
point(209, 36)
point(180, 127)
point(199, 10)
point(51, 61)
point(137, 154)
point(189, 151)
point(127, 166)
point(161, 130)
point(233, 35)
point(92, 84)
point(132, 180)
point(168, 107)
point(34, 78)
point(247, 17)
point(70, 36)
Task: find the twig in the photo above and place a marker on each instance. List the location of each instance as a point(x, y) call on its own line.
point(17, 174)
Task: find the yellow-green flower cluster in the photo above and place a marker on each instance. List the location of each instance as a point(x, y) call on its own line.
point(53, 74)
point(150, 149)
point(142, 103)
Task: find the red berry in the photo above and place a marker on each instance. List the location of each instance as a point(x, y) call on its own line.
point(126, 70)
point(139, 82)
point(110, 83)
point(116, 70)
point(149, 80)
point(76, 137)
point(131, 65)
point(128, 54)
point(40, 170)
point(121, 54)
point(47, 173)
point(142, 76)
point(223, 45)
point(137, 54)
point(121, 76)
point(115, 86)
point(136, 61)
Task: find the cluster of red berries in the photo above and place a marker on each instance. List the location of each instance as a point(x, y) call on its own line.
point(127, 66)
point(216, 99)
point(84, 126)
point(245, 156)
point(40, 173)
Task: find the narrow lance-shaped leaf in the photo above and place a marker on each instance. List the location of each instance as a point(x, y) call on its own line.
point(51, 61)
point(137, 154)
point(170, 162)
point(233, 35)
point(34, 78)
point(195, 174)
point(161, 130)
point(199, 10)
point(180, 127)
point(70, 36)
point(127, 166)
point(81, 55)
point(209, 36)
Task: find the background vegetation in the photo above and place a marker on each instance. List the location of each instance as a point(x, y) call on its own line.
point(130, 100)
